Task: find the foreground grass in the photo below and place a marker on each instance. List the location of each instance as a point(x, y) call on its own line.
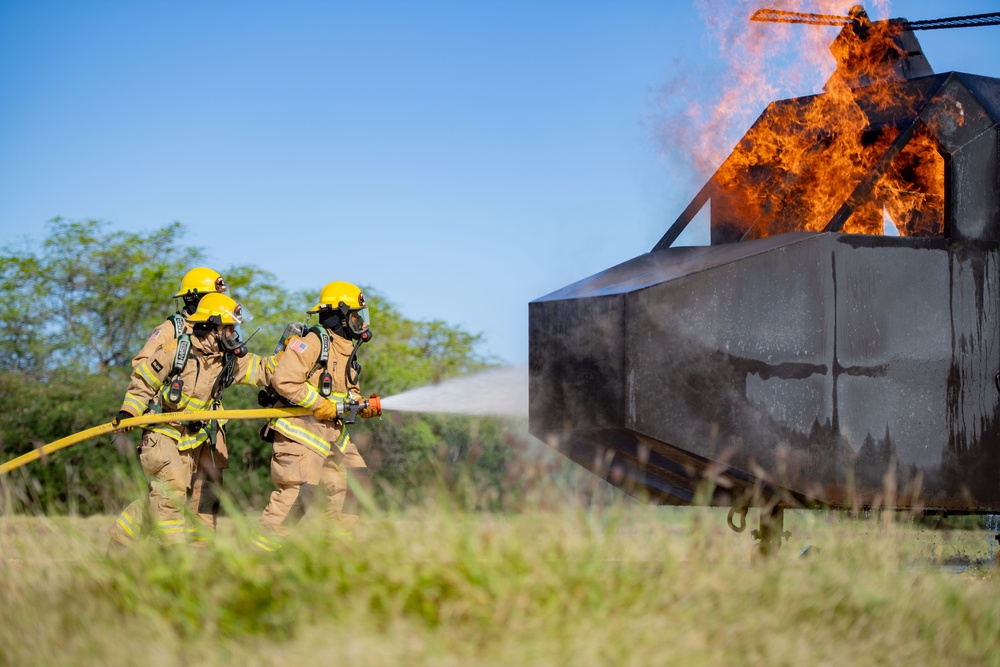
point(631, 586)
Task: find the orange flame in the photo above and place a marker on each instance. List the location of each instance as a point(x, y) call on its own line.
point(807, 159)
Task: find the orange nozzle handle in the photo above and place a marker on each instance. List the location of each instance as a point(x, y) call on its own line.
point(375, 402)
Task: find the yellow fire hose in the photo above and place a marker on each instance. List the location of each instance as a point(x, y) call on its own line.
point(201, 415)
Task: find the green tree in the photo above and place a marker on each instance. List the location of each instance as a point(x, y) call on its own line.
point(87, 299)
point(23, 345)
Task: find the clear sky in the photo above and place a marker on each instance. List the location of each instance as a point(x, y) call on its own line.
point(463, 158)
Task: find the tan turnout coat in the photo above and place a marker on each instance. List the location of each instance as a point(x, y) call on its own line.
point(204, 364)
point(297, 379)
point(160, 335)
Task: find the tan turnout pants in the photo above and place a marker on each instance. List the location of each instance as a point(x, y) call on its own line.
point(203, 496)
point(203, 478)
point(298, 473)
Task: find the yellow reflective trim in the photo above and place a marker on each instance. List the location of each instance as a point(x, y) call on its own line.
point(185, 401)
point(138, 405)
point(168, 527)
point(192, 441)
point(165, 429)
point(184, 442)
point(342, 440)
point(302, 436)
point(339, 395)
point(251, 375)
point(198, 534)
point(125, 521)
point(312, 397)
point(272, 363)
point(196, 403)
point(265, 543)
point(147, 374)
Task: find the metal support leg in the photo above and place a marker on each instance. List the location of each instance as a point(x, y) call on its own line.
point(771, 530)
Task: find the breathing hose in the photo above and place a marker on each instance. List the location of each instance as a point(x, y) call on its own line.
point(103, 429)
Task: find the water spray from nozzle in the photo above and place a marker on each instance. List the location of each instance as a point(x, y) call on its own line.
point(501, 392)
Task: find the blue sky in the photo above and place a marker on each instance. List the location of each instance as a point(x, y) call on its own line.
point(463, 158)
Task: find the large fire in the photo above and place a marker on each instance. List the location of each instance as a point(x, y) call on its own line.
point(842, 160)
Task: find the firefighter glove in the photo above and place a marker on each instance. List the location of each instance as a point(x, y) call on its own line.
point(374, 408)
point(118, 420)
point(327, 409)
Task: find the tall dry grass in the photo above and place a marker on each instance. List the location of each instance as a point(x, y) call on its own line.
point(625, 585)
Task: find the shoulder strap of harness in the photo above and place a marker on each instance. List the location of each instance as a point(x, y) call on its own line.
point(181, 354)
point(324, 348)
point(180, 360)
point(325, 380)
point(178, 321)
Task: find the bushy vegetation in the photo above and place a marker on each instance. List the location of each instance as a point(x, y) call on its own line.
point(77, 305)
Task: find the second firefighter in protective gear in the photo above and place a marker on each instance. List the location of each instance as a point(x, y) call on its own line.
point(187, 374)
point(314, 453)
point(202, 500)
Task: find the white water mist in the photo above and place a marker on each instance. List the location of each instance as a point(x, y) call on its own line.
point(498, 391)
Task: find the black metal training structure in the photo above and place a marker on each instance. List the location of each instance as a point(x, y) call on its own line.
point(796, 368)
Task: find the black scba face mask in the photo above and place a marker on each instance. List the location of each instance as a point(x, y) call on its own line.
point(346, 323)
point(358, 326)
point(232, 343)
point(334, 321)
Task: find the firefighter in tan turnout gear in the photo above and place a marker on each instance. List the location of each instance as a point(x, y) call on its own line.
point(203, 500)
point(318, 370)
point(185, 374)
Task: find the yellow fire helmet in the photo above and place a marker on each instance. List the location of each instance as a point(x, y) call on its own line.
point(337, 295)
point(220, 309)
point(348, 299)
point(201, 281)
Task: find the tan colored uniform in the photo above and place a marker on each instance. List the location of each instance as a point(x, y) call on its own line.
point(160, 335)
point(203, 501)
point(170, 452)
point(308, 452)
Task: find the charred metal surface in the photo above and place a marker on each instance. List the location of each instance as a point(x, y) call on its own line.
point(810, 366)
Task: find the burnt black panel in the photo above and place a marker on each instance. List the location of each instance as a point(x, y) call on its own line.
point(815, 366)
point(589, 387)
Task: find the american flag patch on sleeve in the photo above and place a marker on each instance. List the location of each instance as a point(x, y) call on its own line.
point(154, 335)
point(299, 346)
